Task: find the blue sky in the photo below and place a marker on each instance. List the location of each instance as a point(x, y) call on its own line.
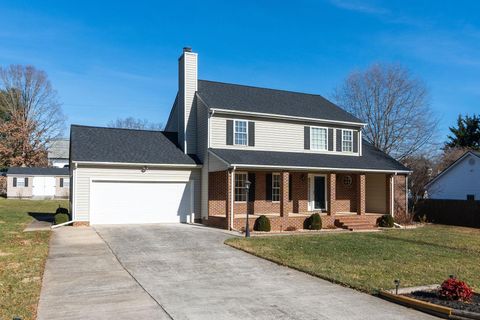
point(110, 59)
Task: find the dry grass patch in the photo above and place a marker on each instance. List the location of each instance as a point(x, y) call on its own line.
point(22, 257)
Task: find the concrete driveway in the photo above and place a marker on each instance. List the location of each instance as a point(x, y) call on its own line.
point(186, 272)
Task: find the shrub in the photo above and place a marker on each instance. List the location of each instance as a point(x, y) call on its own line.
point(61, 218)
point(314, 222)
point(385, 221)
point(61, 210)
point(454, 289)
point(262, 224)
point(307, 223)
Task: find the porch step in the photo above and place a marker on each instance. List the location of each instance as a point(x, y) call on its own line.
point(354, 222)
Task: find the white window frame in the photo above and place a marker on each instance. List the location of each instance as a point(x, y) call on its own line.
point(66, 182)
point(312, 147)
point(235, 132)
point(244, 190)
point(23, 182)
point(344, 149)
point(276, 187)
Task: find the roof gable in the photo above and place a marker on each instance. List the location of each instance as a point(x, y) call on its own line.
point(453, 165)
point(236, 97)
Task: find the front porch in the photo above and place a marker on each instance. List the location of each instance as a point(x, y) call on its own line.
point(289, 198)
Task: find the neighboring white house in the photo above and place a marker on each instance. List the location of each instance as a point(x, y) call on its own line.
point(38, 183)
point(460, 181)
point(58, 153)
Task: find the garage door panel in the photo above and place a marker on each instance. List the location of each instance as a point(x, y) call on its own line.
point(122, 202)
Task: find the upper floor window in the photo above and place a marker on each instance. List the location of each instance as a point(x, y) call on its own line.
point(276, 187)
point(240, 191)
point(347, 140)
point(240, 132)
point(318, 138)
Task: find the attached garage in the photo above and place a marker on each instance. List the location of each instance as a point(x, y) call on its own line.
point(122, 202)
point(123, 176)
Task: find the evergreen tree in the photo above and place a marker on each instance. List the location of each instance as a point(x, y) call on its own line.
point(466, 134)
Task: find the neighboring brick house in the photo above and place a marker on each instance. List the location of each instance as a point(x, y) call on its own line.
point(301, 153)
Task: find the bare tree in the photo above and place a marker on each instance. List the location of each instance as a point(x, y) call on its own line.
point(31, 115)
point(449, 156)
point(133, 123)
point(422, 173)
point(393, 104)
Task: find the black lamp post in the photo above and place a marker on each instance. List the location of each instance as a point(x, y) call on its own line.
point(247, 227)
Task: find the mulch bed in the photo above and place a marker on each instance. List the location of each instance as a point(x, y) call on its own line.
point(432, 297)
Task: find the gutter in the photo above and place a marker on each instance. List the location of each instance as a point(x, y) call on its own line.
point(161, 165)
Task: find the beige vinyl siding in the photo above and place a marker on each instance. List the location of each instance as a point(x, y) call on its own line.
point(190, 77)
point(172, 124)
point(202, 129)
point(270, 135)
point(181, 106)
point(215, 164)
point(19, 192)
point(376, 193)
point(84, 174)
point(202, 152)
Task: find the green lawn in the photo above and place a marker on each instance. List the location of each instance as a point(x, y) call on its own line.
point(371, 261)
point(22, 257)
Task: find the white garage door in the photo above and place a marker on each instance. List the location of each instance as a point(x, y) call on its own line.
point(116, 202)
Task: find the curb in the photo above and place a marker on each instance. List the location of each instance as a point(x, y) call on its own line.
point(427, 307)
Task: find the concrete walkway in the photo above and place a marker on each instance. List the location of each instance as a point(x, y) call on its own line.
point(188, 272)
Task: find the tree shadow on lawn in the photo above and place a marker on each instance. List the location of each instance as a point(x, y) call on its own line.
point(422, 243)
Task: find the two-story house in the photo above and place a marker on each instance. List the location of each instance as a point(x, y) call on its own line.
point(300, 152)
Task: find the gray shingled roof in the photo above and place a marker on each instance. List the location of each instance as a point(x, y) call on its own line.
point(371, 159)
point(253, 99)
point(59, 149)
point(98, 144)
point(36, 171)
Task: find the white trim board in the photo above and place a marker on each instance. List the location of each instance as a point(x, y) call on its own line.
point(285, 117)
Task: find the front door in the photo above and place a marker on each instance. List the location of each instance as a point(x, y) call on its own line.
point(317, 192)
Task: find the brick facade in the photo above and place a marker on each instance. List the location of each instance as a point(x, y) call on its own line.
point(290, 223)
point(217, 193)
point(361, 193)
point(291, 212)
point(81, 223)
point(400, 195)
point(345, 197)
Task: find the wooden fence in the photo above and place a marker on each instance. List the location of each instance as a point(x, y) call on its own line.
point(452, 212)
